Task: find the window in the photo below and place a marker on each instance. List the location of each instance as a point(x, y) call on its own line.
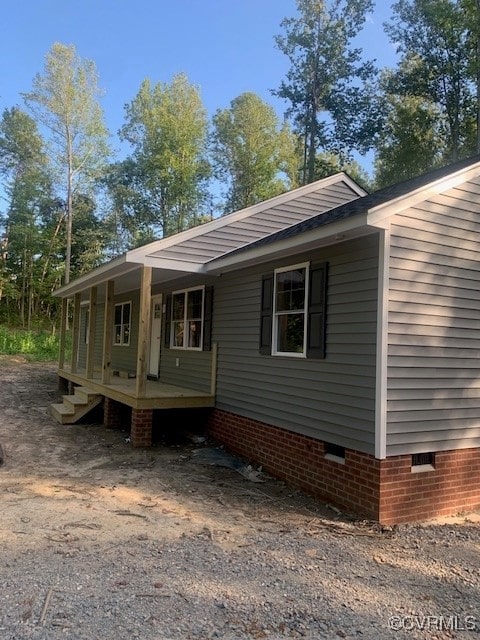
point(293, 311)
point(289, 314)
point(187, 319)
point(121, 329)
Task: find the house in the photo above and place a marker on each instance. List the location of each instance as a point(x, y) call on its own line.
point(332, 336)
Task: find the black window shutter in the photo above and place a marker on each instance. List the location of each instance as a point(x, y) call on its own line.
point(317, 311)
point(266, 315)
point(207, 319)
point(168, 322)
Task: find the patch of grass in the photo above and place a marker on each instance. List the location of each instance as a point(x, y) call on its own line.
point(33, 345)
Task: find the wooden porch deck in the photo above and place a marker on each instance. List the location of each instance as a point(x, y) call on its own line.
point(158, 395)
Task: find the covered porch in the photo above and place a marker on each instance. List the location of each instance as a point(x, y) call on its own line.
point(135, 392)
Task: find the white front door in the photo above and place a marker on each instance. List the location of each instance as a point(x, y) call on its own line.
point(155, 335)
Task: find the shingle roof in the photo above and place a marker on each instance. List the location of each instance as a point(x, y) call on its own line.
point(188, 251)
point(362, 204)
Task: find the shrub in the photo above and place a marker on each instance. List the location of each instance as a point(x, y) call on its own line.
point(34, 345)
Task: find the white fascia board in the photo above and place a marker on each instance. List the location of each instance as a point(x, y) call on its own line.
point(377, 215)
point(353, 185)
point(183, 266)
point(105, 272)
point(139, 254)
point(326, 234)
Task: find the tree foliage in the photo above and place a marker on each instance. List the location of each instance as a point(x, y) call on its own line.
point(65, 100)
point(26, 276)
point(253, 155)
point(413, 139)
point(328, 163)
point(328, 86)
point(471, 13)
point(164, 180)
point(433, 39)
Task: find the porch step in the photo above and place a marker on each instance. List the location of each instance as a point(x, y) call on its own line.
point(76, 406)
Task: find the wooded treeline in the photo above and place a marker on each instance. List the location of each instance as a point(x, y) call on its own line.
point(70, 205)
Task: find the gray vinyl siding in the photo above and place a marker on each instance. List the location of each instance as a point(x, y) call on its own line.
point(194, 368)
point(212, 244)
point(193, 371)
point(332, 399)
point(433, 400)
point(124, 358)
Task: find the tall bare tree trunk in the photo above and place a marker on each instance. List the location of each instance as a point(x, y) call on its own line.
point(69, 213)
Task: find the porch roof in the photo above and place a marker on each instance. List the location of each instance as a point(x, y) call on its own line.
point(191, 250)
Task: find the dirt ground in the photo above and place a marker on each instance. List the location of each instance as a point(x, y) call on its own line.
point(77, 470)
point(100, 540)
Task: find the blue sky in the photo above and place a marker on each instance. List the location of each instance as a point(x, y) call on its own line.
point(225, 47)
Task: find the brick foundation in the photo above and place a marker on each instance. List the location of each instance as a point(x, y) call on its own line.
point(452, 487)
point(115, 414)
point(384, 490)
point(141, 427)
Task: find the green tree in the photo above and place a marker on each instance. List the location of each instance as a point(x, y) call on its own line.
point(252, 153)
point(434, 43)
point(327, 163)
point(26, 181)
point(65, 100)
point(89, 236)
point(329, 86)
point(130, 221)
point(166, 124)
point(413, 136)
point(471, 13)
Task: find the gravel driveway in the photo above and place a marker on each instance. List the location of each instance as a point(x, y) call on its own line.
point(100, 541)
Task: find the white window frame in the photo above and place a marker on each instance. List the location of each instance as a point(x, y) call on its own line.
point(276, 314)
point(122, 325)
point(186, 325)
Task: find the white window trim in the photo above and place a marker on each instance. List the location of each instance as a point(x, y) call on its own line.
point(202, 319)
point(122, 304)
point(290, 354)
